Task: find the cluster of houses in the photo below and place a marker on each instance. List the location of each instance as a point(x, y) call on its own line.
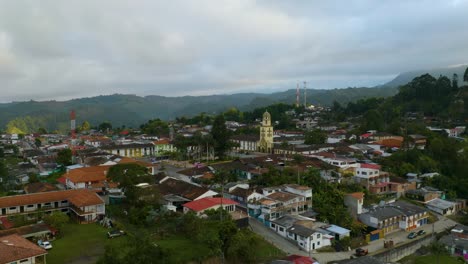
point(84, 189)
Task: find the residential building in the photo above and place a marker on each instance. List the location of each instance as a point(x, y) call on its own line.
point(132, 150)
point(442, 207)
point(184, 189)
point(395, 216)
point(457, 241)
point(424, 194)
point(94, 178)
point(304, 231)
point(354, 202)
point(246, 142)
point(84, 205)
point(280, 200)
point(210, 203)
point(163, 146)
point(15, 249)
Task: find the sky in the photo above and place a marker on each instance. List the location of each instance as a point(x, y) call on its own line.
point(58, 50)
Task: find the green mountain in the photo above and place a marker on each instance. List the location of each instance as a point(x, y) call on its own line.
point(132, 110)
point(407, 77)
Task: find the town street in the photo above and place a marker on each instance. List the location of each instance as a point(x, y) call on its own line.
point(373, 247)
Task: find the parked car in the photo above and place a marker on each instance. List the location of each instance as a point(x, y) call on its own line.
point(361, 252)
point(44, 244)
point(115, 233)
point(412, 235)
point(421, 232)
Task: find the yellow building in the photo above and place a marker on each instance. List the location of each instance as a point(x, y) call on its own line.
point(265, 144)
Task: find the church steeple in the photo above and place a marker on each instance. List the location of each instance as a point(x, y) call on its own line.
point(266, 134)
point(266, 119)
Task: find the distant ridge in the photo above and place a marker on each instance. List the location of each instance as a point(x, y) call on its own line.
point(406, 77)
point(132, 110)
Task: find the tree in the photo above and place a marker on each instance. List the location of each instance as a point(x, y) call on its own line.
point(85, 126)
point(41, 131)
point(128, 175)
point(155, 127)
point(465, 76)
point(57, 219)
point(220, 136)
point(37, 142)
point(33, 178)
point(315, 136)
point(64, 157)
point(105, 126)
point(455, 81)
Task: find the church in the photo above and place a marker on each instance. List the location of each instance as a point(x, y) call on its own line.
point(265, 144)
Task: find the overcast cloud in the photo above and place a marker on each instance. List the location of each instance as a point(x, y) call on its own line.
point(69, 49)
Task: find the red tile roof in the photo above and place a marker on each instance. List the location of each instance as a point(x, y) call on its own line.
point(205, 203)
point(391, 142)
point(88, 174)
point(357, 195)
point(15, 247)
point(82, 197)
point(370, 166)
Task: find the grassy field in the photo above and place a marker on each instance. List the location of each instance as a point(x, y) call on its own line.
point(430, 259)
point(198, 252)
point(80, 244)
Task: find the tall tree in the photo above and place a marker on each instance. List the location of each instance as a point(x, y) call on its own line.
point(104, 126)
point(465, 76)
point(64, 157)
point(220, 136)
point(85, 126)
point(37, 142)
point(455, 81)
point(316, 136)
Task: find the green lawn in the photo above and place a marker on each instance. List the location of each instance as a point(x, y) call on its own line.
point(191, 251)
point(197, 252)
point(85, 242)
point(431, 259)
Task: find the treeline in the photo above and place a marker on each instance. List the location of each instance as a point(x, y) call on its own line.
point(444, 103)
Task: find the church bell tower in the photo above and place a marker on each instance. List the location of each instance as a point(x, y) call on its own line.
point(266, 134)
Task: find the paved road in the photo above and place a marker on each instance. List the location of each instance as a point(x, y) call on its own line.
point(290, 248)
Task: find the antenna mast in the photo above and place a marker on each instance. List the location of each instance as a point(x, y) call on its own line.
point(297, 95)
point(305, 94)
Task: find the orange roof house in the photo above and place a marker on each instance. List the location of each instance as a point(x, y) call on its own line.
point(86, 205)
point(15, 248)
point(87, 177)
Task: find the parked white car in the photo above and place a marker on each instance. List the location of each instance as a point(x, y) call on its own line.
point(44, 244)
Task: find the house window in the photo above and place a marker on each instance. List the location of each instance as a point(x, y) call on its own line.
point(30, 205)
point(12, 208)
point(318, 243)
point(24, 261)
point(273, 225)
point(64, 201)
point(281, 229)
point(318, 235)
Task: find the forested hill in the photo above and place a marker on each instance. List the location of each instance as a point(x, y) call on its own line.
point(131, 110)
point(406, 77)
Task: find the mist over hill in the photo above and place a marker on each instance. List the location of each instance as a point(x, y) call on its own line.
point(406, 77)
point(132, 110)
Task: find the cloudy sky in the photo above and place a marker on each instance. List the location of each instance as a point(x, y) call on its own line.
point(70, 49)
